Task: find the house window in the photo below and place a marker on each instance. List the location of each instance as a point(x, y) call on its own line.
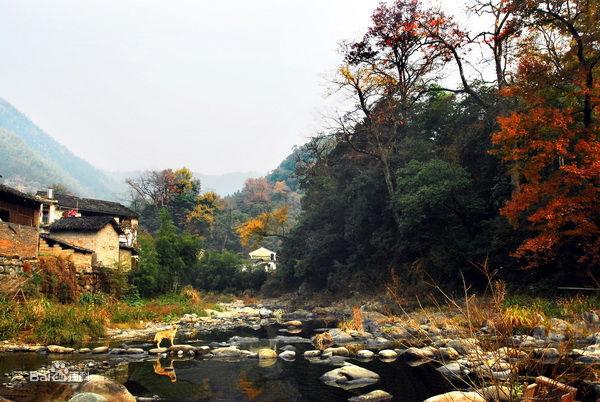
point(4, 215)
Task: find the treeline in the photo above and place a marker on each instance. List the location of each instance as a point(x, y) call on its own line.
point(434, 183)
point(190, 237)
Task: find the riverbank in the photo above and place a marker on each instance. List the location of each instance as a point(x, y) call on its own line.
point(471, 345)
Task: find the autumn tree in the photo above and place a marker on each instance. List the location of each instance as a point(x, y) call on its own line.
point(386, 73)
point(267, 224)
point(553, 138)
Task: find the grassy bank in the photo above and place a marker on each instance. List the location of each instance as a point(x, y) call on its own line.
point(45, 321)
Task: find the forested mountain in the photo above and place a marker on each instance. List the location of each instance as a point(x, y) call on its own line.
point(31, 159)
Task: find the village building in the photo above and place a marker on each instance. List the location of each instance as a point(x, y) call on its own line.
point(265, 257)
point(57, 206)
point(89, 238)
point(19, 222)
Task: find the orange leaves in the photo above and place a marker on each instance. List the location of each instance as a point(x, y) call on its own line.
point(266, 224)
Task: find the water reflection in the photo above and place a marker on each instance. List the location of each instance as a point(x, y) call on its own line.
point(168, 371)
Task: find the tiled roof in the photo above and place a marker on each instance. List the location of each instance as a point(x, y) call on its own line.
point(101, 207)
point(52, 240)
point(84, 224)
point(18, 195)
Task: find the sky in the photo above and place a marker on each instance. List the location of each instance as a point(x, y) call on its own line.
point(217, 86)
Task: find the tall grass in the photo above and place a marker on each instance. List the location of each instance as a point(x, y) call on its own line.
point(42, 320)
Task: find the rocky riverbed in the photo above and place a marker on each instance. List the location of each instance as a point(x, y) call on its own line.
point(357, 365)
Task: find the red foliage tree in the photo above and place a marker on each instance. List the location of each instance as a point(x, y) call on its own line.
point(553, 139)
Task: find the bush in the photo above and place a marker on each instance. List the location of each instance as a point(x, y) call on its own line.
point(58, 279)
point(225, 271)
point(66, 325)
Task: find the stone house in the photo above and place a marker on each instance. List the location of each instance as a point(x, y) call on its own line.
point(19, 222)
point(57, 205)
point(99, 234)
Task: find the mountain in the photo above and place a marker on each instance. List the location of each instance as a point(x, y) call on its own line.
point(30, 159)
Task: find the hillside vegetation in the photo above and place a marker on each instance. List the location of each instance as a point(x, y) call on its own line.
point(31, 159)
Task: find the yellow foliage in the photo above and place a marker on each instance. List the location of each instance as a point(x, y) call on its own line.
point(265, 224)
point(205, 209)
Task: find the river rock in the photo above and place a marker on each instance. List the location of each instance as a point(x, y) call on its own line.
point(546, 353)
point(312, 353)
point(288, 355)
point(447, 353)
point(591, 317)
point(100, 349)
point(84, 350)
point(388, 354)
point(116, 351)
point(232, 352)
point(463, 346)
point(339, 351)
point(59, 349)
point(88, 397)
point(457, 396)
point(418, 353)
point(134, 351)
point(377, 395)
point(156, 351)
point(350, 376)
point(539, 332)
point(239, 340)
point(266, 353)
point(175, 349)
point(453, 369)
point(379, 343)
point(288, 347)
point(291, 339)
point(107, 388)
point(340, 336)
point(293, 323)
point(364, 354)
point(265, 313)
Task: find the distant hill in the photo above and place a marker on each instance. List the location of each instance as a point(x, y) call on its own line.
point(30, 160)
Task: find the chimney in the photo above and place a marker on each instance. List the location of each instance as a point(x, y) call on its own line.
point(50, 193)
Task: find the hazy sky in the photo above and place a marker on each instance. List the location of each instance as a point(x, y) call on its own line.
point(218, 86)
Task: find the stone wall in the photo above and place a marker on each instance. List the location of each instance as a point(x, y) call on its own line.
point(105, 244)
point(16, 265)
point(82, 261)
point(18, 240)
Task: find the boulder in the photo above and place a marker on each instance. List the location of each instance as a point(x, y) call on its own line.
point(239, 340)
point(312, 353)
point(377, 395)
point(288, 355)
point(457, 396)
point(463, 346)
point(388, 354)
point(134, 351)
point(339, 351)
point(364, 354)
point(453, 369)
point(495, 393)
point(418, 353)
point(175, 349)
point(100, 349)
point(266, 353)
point(350, 376)
point(59, 349)
point(88, 397)
point(340, 336)
point(546, 353)
point(232, 352)
point(265, 313)
point(107, 388)
point(291, 339)
point(447, 353)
